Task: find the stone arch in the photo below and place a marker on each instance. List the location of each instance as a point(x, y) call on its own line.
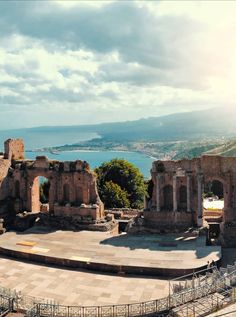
point(45, 190)
point(218, 185)
point(168, 197)
point(36, 203)
point(215, 187)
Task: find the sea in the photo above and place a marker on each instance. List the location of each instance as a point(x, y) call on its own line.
point(41, 139)
point(96, 158)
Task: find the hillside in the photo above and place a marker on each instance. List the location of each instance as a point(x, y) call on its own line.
point(200, 125)
point(171, 150)
point(181, 126)
point(227, 149)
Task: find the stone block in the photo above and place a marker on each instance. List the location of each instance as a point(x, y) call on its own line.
point(66, 166)
point(110, 217)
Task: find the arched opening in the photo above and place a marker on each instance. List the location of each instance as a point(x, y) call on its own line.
point(213, 195)
point(40, 194)
point(168, 198)
point(44, 190)
point(213, 205)
point(66, 193)
point(160, 167)
point(183, 198)
point(17, 189)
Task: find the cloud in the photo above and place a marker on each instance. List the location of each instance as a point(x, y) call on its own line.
point(135, 33)
point(112, 61)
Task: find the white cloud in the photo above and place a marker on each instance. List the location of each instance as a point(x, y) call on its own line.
point(74, 62)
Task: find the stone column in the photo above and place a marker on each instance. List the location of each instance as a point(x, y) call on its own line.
point(158, 208)
point(188, 193)
point(175, 205)
point(145, 205)
point(199, 188)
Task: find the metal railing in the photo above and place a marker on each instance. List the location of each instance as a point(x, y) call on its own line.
point(6, 305)
point(201, 287)
point(187, 298)
point(150, 308)
point(211, 304)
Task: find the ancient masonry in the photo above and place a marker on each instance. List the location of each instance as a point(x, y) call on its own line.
point(73, 191)
point(178, 190)
point(176, 202)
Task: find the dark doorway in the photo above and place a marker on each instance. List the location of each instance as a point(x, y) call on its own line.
point(168, 198)
point(183, 198)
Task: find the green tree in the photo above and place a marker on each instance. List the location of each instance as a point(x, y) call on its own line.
point(44, 192)
point(127, 176)
point(149, 184)
point(114, 196)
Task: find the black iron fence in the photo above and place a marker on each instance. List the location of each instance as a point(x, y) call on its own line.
point(151, 308)
point(130, 310)
point(202, 287)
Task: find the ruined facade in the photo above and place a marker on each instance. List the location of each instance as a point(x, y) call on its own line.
point(177, 199)
point(73, 191)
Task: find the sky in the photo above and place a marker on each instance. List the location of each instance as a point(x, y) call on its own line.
point(86, 62)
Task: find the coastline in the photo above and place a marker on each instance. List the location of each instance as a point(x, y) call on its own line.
point(153, 150)
point(92, 151)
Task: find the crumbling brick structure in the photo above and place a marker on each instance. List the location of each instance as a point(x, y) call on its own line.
point(73, 191)
point(14, 149)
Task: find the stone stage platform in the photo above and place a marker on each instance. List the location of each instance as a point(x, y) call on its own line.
point(157, 255)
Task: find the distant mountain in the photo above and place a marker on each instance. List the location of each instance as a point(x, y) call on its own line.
point(212, 123)
point(181, 126)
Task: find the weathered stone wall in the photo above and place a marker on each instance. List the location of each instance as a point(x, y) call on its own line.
point(4, 167)
point(14, 149)
point(168, 221)
point(73, 191)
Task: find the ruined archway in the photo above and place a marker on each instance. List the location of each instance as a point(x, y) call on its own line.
point(168, 198)
point(40, 194)
point(20, 185)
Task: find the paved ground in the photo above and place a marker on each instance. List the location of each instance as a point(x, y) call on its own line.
point(78, 288)
point(163, 251)
point(72, 287)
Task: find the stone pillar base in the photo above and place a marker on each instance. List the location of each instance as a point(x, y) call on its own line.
point(199, 222)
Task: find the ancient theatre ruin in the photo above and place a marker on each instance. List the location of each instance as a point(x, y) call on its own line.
point(177, 199)
point(73, 191)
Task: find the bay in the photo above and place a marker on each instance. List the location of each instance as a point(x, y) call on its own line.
point(96, 158)
point(41, 138)
point(37, 139)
